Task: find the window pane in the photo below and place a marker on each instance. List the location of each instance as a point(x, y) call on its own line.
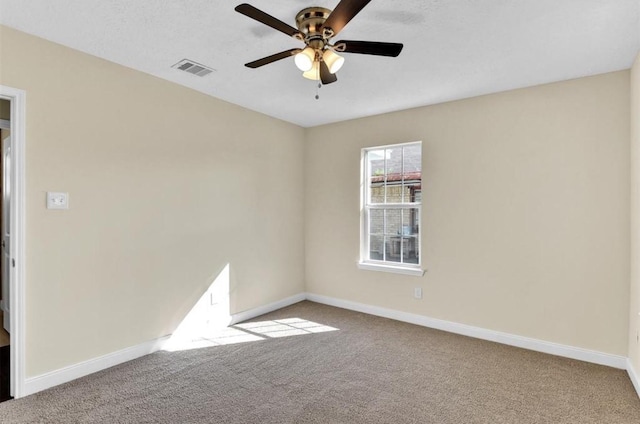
point(412, 172)
point(414, 217)
point(376, 231)
point(376, 221)
point(376, 193)
point(393, 248)
point(376, 247)
point(394, 163)
point(412, 159)
point(407, 221)
point(375, 166)
point(393, 229)
point(410, 249)
point(410, 233)
point(394, 175)
point(393, 222)
point(394, 192)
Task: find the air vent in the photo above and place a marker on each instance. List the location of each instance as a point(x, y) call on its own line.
point(193, 68)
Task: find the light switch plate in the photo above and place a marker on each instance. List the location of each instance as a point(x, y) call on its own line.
point(57, 200)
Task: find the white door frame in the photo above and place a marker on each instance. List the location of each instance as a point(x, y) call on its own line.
point(18, 225)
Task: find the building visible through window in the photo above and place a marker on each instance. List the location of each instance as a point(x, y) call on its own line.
point(392, 194)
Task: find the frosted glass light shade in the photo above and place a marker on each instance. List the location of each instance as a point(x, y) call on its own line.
point(314, 72)
point(304, 59)
point(334, 61)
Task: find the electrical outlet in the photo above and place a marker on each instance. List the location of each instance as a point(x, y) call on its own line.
point(57, 200)
point(417, 292)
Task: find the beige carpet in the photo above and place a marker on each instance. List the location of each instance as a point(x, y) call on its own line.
point(371, 370)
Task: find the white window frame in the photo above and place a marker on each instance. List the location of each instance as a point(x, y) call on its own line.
point(366, 207)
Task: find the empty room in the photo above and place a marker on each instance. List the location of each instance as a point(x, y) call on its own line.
point(320, 211)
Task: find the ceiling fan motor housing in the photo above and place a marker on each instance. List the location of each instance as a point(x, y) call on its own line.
point(309, 22)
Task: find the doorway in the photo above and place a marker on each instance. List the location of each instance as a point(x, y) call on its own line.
point(5, 313)
point(12, 264)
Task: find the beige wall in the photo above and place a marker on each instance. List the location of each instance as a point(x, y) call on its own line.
point(166, 187)
point(525, 218)
point(525, 225)
point(634, 310)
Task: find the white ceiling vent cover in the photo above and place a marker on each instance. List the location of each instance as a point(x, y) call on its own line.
point(193, 68)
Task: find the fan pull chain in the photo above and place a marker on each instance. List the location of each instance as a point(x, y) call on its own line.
point(319, 84)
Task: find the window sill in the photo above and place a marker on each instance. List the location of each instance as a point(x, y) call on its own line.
point(390, 268)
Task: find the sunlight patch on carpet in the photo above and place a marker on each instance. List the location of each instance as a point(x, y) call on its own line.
point(248, 332)
point(285, 327)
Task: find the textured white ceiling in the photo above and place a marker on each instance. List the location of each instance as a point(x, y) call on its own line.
point(453, 48)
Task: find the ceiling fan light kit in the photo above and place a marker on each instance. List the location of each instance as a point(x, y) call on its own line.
point(333, 60)
point(305, 59)
point(316, 26)
point(313, 73)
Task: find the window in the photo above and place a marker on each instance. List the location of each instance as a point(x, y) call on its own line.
point(391, 208)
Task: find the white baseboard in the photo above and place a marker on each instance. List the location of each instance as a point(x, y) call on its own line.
point(81, 369)
point(581, 354)
point(634, 376)
point(261, 310)
point(72, 372)
point(53, 378)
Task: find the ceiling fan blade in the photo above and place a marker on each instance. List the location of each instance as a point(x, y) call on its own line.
point(325, 76)
point(343, 13)
point(270, 59)
point(260, 16)
point(370, 47)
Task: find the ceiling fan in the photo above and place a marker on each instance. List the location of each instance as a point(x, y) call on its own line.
point(316, 26)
